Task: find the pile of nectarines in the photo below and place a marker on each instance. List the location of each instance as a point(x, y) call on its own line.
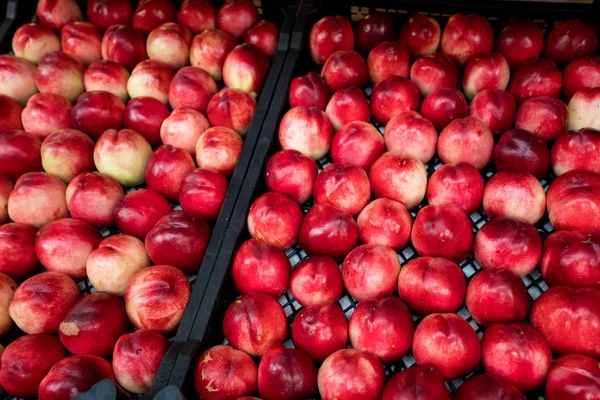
point(106, 125)
point(409, 202)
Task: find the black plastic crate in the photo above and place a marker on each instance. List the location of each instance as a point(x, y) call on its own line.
point(207, 330)
point(282, 14)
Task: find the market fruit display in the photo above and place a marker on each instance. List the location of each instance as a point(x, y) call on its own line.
point(121, 124)
point(456, 258)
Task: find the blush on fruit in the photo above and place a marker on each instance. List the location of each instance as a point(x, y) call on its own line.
point(275, 219)
point(504, 243)
point(350, 373)
point(259, 267)
point(570, 40)
point(17, 245)
point(495, 107)
point(357, 143)
point(443, 105)
point(371, 272)
point(156, 297)
point(178, 239)
point(545, 117)
point(520, 41)
point(569, 319)
point(345, 187)
point(328, 35)
point(432, 285)
point(385, 222)
point(409, 134)
point(421, 35)
point(383, 327)
point(415, 383)
point(292, 173)
point(576, 150)
point(497, 296)
point(286, 374)
point(373, 29)
point(320, 330)
point(103, 190)
point(316, 281)
point(400, 178)
point(519, 150)
point(466, 35)
point(485, 71)
point(387, 59)
point(443, 231)
point(459, 184)
point(536, 78)
point(517, 353)
point(225, 371)
point(255, 322)
point(516, 195)
point(307, 130)
point(570, 258)
point(448, 342)
point(466, 139)
point(573, 376)
point(488, 387)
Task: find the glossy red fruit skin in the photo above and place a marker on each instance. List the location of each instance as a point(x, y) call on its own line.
point(383, 327)
point(357, 143)
point(275, 219)
point(385, 222)
point(138, 212)
point(19, 154)
point(459, 184)
point(291, 173)
point(466, 35)
point(432, 285)
point(432, 72)
point(180, 240)
point(17, 245)
point(320, 330)
point(576, 150)
point(264, 35)
point(146, 115)
point(344, 69)
point(487, 387)
point(447, 342)
point(351, 374)
point(520, 41)
point(94, 324)
point(496, 107)
point(392, 97)
point(309, 90)
point(519, 150)
point(137, 357)
point(106, 13)
point(150, 14)
point(574, 376)
point(370, 272)
point(345, 187)
point(416, 383)
point(203, 192)
point(26, 361)
point(497, 296)
point(387, 59)
point(325, 230)
point(255, 322)
point(536, 78)
point(573, 193)
point(166, 169)
point(231, 372)
point(286, 374)
point(546, 117)
point(373, 29)
point(569, 319)
point(522, 348)
point(569, 40)
point(571, 258)
point(421, 35)
point(236, 17)
point(504, 243)
point(74, 375)
point(260, 268)
point(328, 35)
point(444, 105)
point(581, 73)
point(316, 281)
point(432, 222)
